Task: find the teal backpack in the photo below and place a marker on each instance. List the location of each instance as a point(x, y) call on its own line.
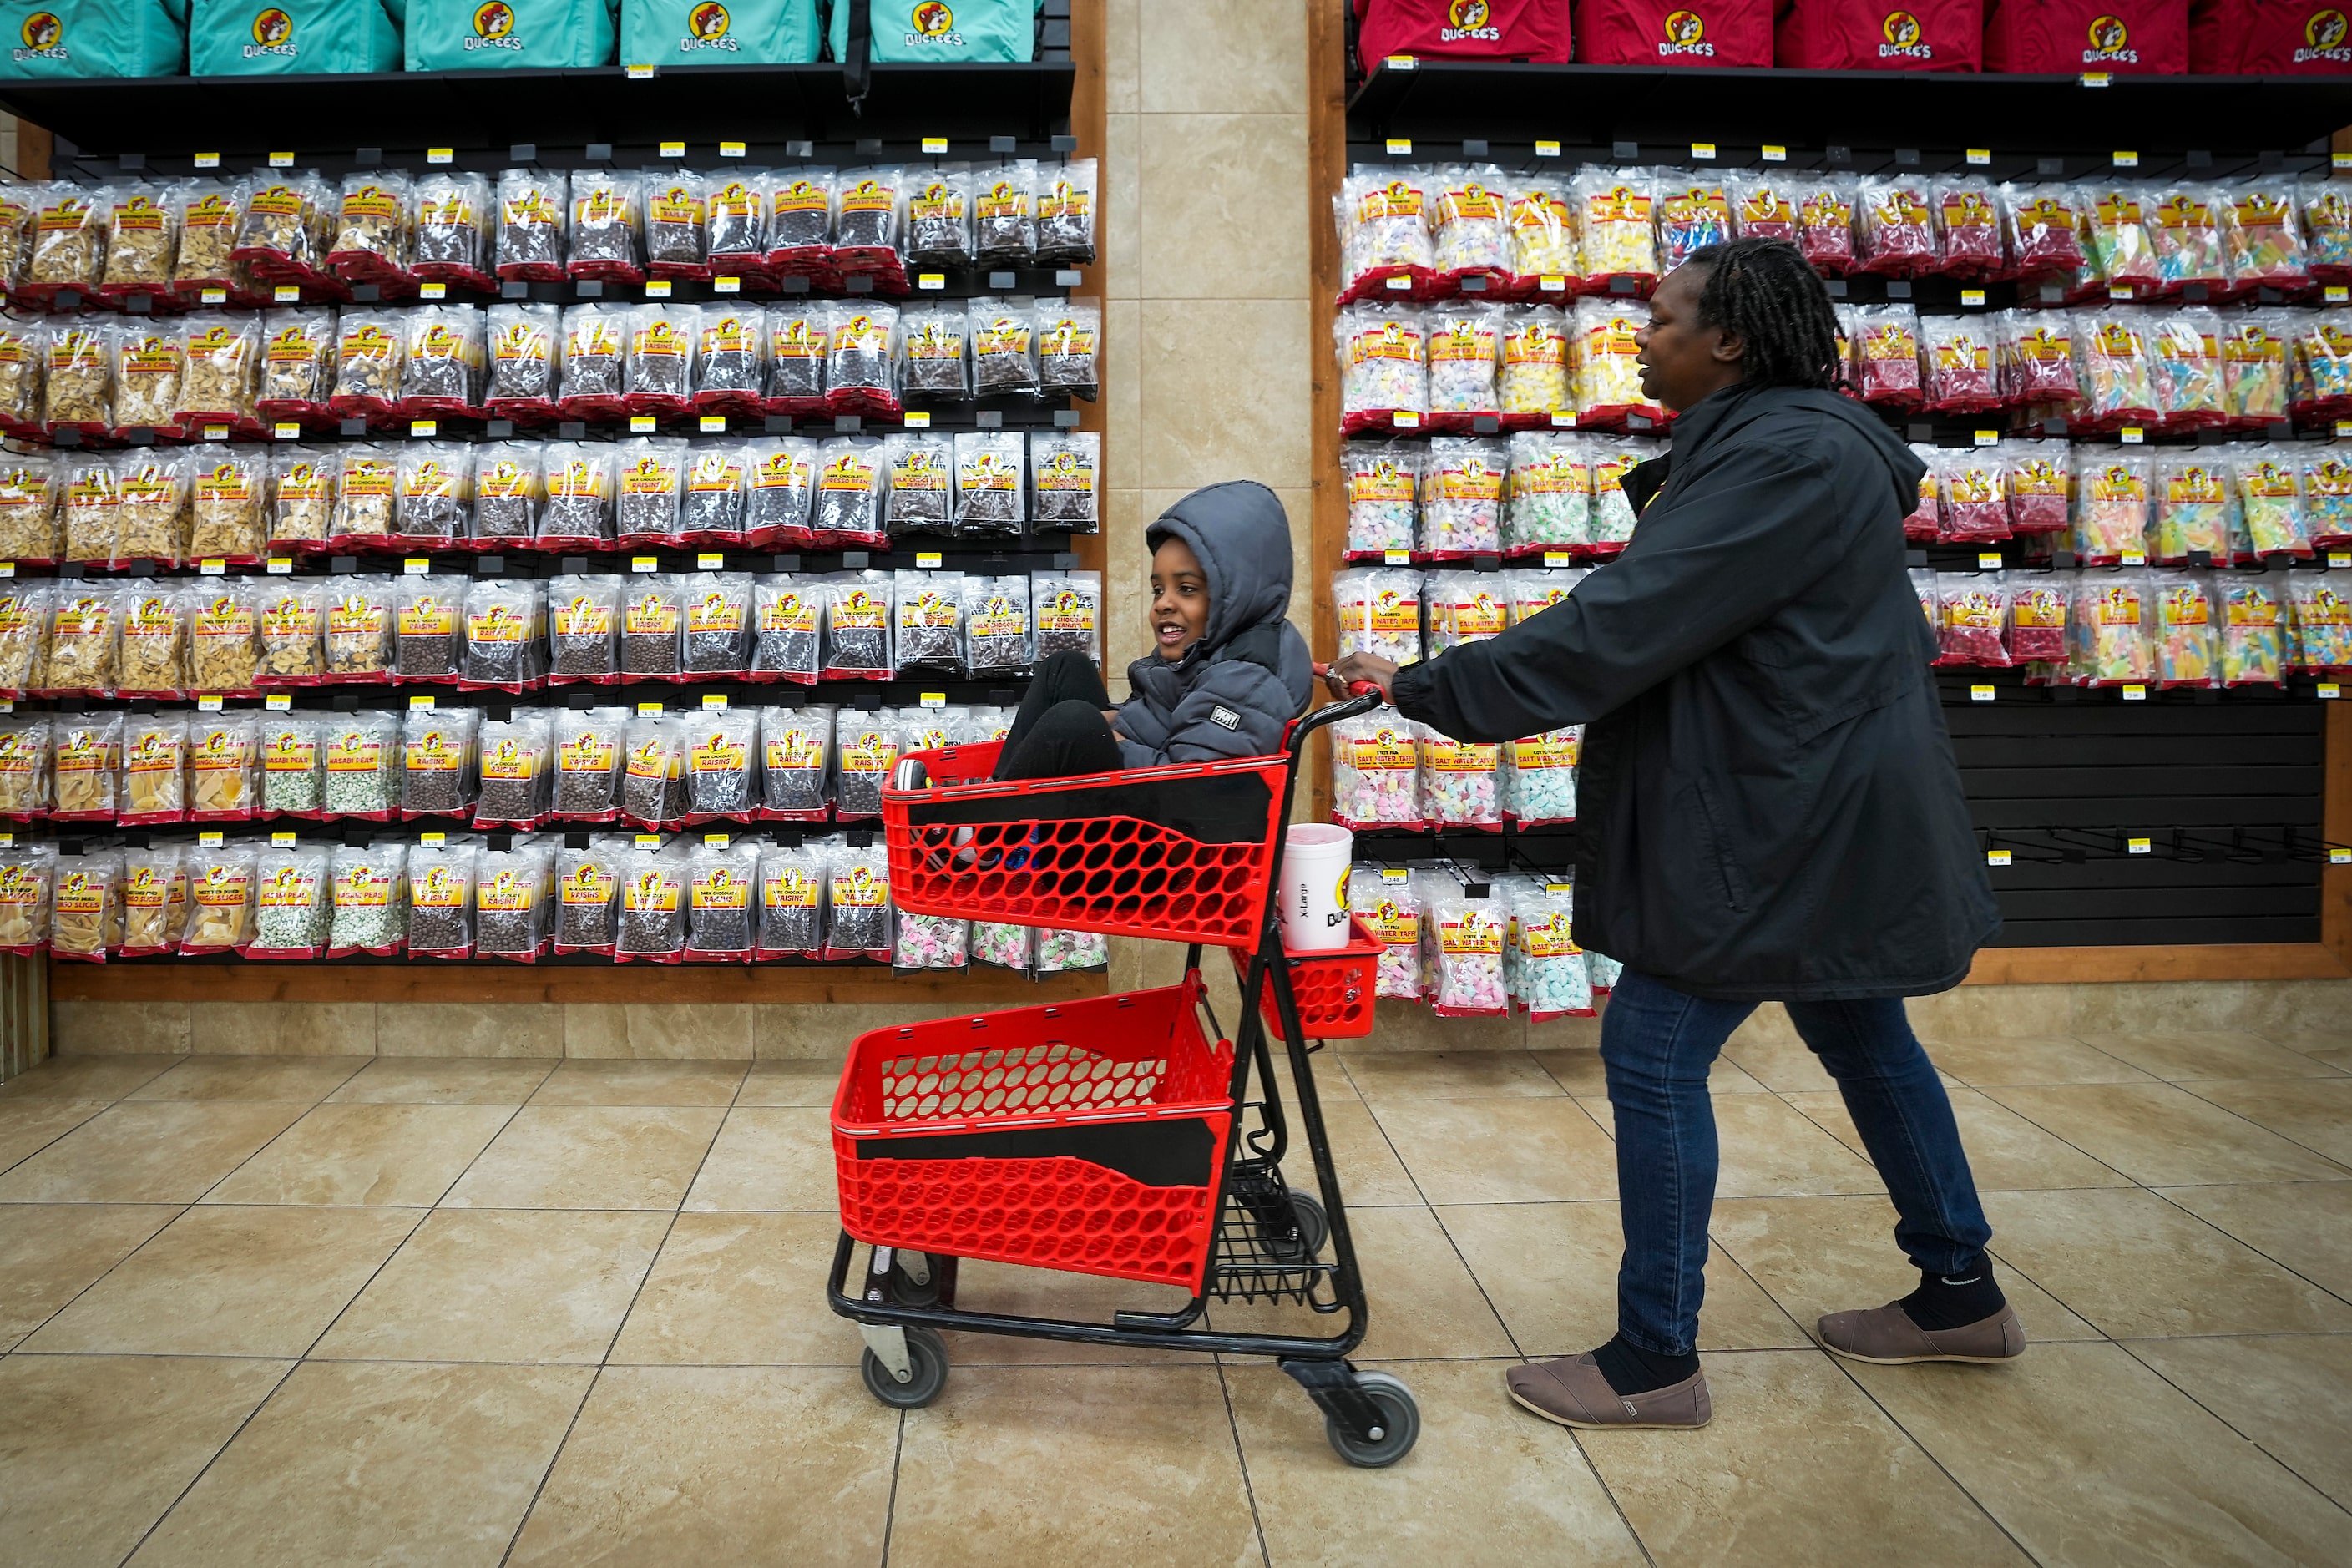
point(508, 35)
point(959, 31)
point(717, 32)
point(94, 37)
point(271, 38)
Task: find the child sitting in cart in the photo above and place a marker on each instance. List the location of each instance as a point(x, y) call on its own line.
point(1226, 672)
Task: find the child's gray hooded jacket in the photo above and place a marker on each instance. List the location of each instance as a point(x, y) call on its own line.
point(1250, 674)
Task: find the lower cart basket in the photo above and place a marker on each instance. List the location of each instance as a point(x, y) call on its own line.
point(1086, 1136)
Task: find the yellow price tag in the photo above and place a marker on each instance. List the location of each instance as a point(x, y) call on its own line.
point(213, 296)
point(281, 840)
point(1979, 157)
point(730, 284)
point(281, 159)
point(935, 700)
point(287, 293)
point(432, 840)
point(643, 562)
point(433, 290)
point(1972, 296)
point(2136, 846)
point(1775, 153)
point(643, 423)
point(1406, 419)
point(207, 160)
point(649, 840)
point(208, 839)
point(673, 149)
point(422, 428)
point(415, 565)
point(1997, 858)
point(420, 702)
point(716, 840)
point(1547, 149)
point(1551, 558)
point(712, 423)
point(730, 149)
point(917, 419)
point(934, 145)
point(1980, 693)
point(710, 560)
point(1989, 560)
point(279, 566)
point(649, 709)
point(208, 704)
point(657, 289)
point(212, 568)
point(2135, 693)
point(278, 702)
point(440, 154)
point(930, 279)
point(927, 560)
point(2133, 435)
point(285, 430)
point(714, 702)
point(1703, 150)
point(637, 73)
point(1400, 147)
point(2126, 159)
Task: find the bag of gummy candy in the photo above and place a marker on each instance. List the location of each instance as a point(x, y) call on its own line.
point(1692, 213)
point(1384, 899)
point(1886, 355)
point(1464, 607)
point(2254, 367)
point(2121, 255)
point(1533, 591)
point(2185, 236)
point(1613, 457)
point(2254, 639)
point(1968, 227)
point(1461, 497)
point(1960, 354)
point(2323, 624)
point(2037, 358)
point(2322, 362)
point(2112, 645)
point(2260, 235)
point(1825, 212)
point(1974, 504)
point(2112, 506)
point(1539, 782)
point(1543, 235)
point(2270, 494)
point(1384, 479)
point(1470, 232)
point(2194, 499)
point(2327, 214)
point(1548, 504)
point(1614, 210)
point(2184, 353)
point(1533, 389)
point(2037, 618)
point(1553, 981)
point(2327, 497)
point(2040, 220)
point(1375, 772)
point(1926, 521)
point(1465, 337)
point(1465, 927)
point(1608, 375)
point(1898, 227)
point(1380, 612)
point(1383, 216)
point(1458, 780)
point(2119, 378)
point(1973, 608)
point(1383, 367)
point(2187, 641)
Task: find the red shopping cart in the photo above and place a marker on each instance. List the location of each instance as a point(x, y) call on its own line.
point(1122, 1135)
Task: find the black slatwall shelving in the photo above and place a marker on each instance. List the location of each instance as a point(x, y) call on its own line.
point(2224, 788)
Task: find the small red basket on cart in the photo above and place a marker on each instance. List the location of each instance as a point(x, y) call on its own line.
point(1334, 990)
point(1181, 854)
point(1085, 1136)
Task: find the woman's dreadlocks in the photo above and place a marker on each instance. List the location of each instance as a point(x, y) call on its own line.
point(1763, 292)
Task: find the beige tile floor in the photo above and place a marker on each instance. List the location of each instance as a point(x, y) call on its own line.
point(318, 1310)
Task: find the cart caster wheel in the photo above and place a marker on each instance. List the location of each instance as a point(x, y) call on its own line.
point(910, 1293)
point(1314, 1227)
point(1400, 1425)
point(927, 1362)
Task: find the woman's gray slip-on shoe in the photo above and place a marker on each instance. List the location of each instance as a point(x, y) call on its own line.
point(1572, 1391)
point(1886, 1336)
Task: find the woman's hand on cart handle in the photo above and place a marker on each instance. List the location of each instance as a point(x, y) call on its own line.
point(1360, 675)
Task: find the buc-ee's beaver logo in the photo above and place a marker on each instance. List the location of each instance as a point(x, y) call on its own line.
point(932, 23)
point(2109, 42)
point(1685, 34)
point(2324, 35)
point(42, 37)
point(494, 25)
point(1902, 38)
point(1469, 19)
point(705, 28)
point(273, 33)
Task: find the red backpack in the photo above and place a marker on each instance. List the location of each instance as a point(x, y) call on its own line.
point(2119, 37)
point(1692, 33)
point(1867, 35)
point(1460, 30)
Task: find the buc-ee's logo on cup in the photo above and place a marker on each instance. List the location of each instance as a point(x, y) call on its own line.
point(494, 23)
point(41, 37)
point(273, 34)
point(2109, 43)
point(1685, 34)
point(1902, 38)
point(933, 23)
point(705, 28)
point(2324, 32)
point(1469, 19)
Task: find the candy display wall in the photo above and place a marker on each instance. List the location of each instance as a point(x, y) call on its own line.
point(412, 542)
point(2117, 371)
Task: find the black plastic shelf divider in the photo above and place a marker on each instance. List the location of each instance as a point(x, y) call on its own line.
point(765, 105)
point(1668, 108)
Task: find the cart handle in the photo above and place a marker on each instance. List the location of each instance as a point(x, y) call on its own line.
point(1363, 698)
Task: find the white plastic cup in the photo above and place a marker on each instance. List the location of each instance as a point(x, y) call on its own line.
point(1312, 886)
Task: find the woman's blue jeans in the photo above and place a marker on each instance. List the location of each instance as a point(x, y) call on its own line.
point(1658, 1045)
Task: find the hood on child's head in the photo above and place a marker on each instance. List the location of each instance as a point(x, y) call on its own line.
point(1241, 536)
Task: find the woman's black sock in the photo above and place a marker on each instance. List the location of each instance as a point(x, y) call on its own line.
point(1955, 1301)
point(1630, 1369)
